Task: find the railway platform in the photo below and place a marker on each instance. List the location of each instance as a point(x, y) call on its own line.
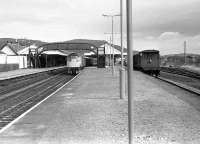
point(88, 111)
point(24, 72)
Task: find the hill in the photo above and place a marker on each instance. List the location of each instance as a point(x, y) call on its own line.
point(27, 42)
point(22, 42)
point(179, 59)
point(97, 43)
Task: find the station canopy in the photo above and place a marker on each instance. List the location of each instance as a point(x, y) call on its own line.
point(57, 52)
point(81, 46)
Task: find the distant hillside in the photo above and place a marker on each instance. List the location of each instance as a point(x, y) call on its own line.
point(181, 54)
point(27, 42)
point(179, 59)
point(97, 43)
point(22, 42)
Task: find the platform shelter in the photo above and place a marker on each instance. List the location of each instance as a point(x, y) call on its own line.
point(97, 47)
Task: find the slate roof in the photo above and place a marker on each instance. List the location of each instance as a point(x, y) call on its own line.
point(2, 52)
point(14, 47)
point(118, 48)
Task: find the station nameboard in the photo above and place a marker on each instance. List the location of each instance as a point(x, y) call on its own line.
point(101, 51)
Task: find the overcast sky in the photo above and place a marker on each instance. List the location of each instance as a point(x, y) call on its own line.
point(158, 24)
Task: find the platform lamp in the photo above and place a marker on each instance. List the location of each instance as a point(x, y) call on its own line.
point(122, 70)
point(130, 68)
point(112, 17)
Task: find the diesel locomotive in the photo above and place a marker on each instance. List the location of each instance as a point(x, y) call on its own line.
point(75, 62)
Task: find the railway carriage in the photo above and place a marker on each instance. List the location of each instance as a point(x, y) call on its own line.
point(75, 62)
point(147, 61)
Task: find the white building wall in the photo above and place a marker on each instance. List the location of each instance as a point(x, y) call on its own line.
point(12, 59)
point(109, 50)
point(3, 58)
point(21, 60)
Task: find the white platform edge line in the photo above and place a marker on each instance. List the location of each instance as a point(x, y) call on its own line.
point(29, 110)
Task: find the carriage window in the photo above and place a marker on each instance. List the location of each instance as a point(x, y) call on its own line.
point(149, 59)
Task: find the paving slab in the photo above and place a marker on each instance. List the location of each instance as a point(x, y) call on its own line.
point(86, 111)
point(164, 114)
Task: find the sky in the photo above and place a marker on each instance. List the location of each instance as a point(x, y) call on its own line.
point(157, 24)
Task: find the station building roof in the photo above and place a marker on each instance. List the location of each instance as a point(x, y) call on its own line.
point(25, 51)
point(11, 48)
point(2, 53)
point(117, 49)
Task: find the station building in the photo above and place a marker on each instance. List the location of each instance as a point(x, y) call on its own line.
point(114, 50)
point(10, 59)
point(100, 54)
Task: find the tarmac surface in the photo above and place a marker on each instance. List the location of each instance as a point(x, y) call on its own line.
point(89, 111)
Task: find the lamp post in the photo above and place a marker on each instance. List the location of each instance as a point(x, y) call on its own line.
point(122, 71)
point(130, 68)
point(112, 17)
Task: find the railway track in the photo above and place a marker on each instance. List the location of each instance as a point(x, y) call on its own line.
point(26, 93)
point(181, 71)
point(182, 78)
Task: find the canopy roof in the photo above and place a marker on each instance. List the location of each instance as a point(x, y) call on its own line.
point(57, 52)
point(78, 46)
